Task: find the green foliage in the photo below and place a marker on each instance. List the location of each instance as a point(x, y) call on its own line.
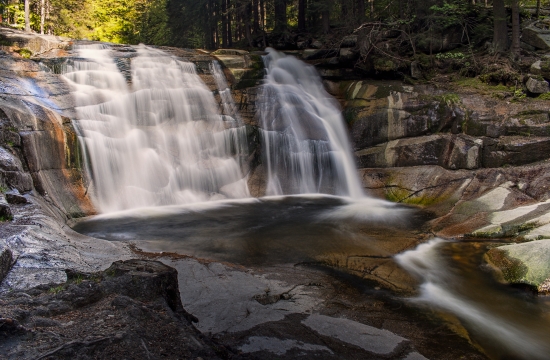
point(56, 289)
point(450, 55)
point(450, 13)
point(26, 53)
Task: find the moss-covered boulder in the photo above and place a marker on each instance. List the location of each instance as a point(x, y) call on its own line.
point(527, 263)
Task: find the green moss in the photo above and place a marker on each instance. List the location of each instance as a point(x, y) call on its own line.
point(544, 96)
point(383, 64)
point(26, 53)
point(350, 115)
point(513, 270)
point(56, 289)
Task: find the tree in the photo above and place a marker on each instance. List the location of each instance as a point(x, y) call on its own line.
point(280, 16)
point(515, 30)
point(500, 33)
point(27, 16)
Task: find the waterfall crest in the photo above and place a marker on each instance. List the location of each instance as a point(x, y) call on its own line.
point(305, 143)
point(159, 141)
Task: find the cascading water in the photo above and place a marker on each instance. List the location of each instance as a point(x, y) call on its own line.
point(306, 146)
point(501, 321)
point(160, 141)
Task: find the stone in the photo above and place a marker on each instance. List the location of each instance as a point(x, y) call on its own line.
point(514, 150)
point(536, 37)
point(316, 44)
point(349, 41)
point(445, 150)
point(278, 346)
point(347, 54)
point(5, 213)
point(6, 262)
point(314, 54)
point(230, 52)
point(367, 337)
point(13, 198)
point(527, 263)
point(86, 322)
point(536, 86)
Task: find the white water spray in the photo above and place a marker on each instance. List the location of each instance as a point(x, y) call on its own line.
point(160, 141)
point(306, 146)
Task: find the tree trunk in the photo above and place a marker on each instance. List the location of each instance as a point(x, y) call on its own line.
point(256, 13)
point(516, 50)
point(302, 15)
point(280, 16)
point(500, 34)
point(371, 8)
point(225, 15)
point(360, 11)
point(27, 16)
point(229, 30)
point(537, 12)
point(42, 15)
point(325, 19)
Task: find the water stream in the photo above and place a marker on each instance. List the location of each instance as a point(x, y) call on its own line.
point(506, 323)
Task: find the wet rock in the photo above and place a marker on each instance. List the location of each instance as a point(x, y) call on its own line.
point(6, 263)
point(537, 86)
point(13, 198)
point(5, 213)
point(526, 263)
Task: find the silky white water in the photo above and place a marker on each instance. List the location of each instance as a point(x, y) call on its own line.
point(502, 320)
point(160, 140)
point(305, 143)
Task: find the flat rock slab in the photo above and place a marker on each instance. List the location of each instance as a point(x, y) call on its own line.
point(367, 337)
point(278, 346)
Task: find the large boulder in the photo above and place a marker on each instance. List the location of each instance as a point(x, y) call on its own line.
point(537, 86)
point(536, 37)
point(526, 263)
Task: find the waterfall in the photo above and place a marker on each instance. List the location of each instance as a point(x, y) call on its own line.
point(159, 141)
point(305, 143)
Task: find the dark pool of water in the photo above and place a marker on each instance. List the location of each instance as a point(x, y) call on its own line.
point(260, 231)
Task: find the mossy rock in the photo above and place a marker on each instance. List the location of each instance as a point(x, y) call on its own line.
point(526, 263)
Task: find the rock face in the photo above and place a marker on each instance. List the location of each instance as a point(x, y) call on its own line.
point(120, 302)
